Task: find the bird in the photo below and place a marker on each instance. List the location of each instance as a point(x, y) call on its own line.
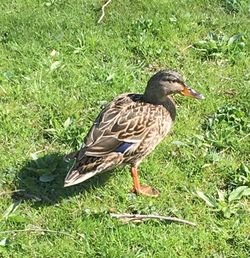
point(128, 129)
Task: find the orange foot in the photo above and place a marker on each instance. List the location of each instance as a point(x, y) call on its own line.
point(146, 190)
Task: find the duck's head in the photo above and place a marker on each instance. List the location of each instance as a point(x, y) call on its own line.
point(167, 82)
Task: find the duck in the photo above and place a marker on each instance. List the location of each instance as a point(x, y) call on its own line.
point(128, 129)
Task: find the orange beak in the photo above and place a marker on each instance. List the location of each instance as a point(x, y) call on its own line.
point(187, 91)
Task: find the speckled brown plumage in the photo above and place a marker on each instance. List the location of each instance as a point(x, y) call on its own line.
point(128, 129)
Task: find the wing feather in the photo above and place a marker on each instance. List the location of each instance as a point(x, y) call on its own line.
point(123, 120)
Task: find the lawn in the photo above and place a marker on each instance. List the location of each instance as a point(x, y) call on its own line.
point(59, 67)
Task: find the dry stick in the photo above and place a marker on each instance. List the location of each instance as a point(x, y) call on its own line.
point(150, 216)
point(103, 11)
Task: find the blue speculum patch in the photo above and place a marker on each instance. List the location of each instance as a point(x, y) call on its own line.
point(123, 147)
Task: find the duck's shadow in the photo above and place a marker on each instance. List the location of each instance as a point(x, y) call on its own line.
point(41, 180)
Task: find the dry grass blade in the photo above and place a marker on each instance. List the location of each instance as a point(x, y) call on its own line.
point(137, 217)
point(10, 192)
point(103, 10)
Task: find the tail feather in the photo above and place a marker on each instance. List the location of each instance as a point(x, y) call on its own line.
point(87, 167)
point(75, 177)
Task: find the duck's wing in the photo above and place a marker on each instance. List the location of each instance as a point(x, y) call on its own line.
point(120, 127)
point(124, 122)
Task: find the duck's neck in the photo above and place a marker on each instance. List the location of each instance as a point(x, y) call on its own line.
point(167, 102)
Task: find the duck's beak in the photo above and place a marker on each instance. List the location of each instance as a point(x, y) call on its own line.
point(187, 91)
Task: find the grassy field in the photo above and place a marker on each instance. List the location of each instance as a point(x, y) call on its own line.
point(58, 67)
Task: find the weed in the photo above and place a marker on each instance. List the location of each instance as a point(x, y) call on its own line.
point(232, 6)
point(66, 132)
point(238, 177)
point(140, 39)
point(59, 67)
point(225, 203)
point(216, 47)
point(221, 127)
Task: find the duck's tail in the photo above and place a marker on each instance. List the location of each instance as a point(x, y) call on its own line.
point(87, 167)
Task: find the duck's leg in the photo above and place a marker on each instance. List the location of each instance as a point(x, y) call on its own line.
point(142, 189)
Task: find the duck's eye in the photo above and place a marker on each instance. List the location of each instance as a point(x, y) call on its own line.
point(165, 79)
point(177, 81)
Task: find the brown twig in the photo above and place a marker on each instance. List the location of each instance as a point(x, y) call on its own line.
point(224, 150)
point(186, 48)
point(141, 217)
point(103, 11)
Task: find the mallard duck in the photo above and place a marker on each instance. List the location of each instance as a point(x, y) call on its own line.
point(128, 129)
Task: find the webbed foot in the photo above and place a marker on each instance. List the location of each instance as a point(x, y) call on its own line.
point(146, 190)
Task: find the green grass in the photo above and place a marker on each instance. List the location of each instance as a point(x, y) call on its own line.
point(47, 105)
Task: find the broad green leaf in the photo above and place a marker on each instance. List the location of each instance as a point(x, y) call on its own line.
point(226, 212)
point(201, 43)
point(47, 178)
point(11, 209)
point(34, 156)
point(237, 193)
point(17, 218)
point(246, 192)
point(110, 77)
point(210, 201)
point(179, 143)
point(221, 195)
point(234, 38)
point(67, 123)
point(3, 242)
point(50, 130)
point(55, 65)
point(102, 103)
point(173, 19)
point(54, 53)
point(245, 168)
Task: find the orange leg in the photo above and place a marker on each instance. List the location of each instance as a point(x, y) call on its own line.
point(142, 189)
